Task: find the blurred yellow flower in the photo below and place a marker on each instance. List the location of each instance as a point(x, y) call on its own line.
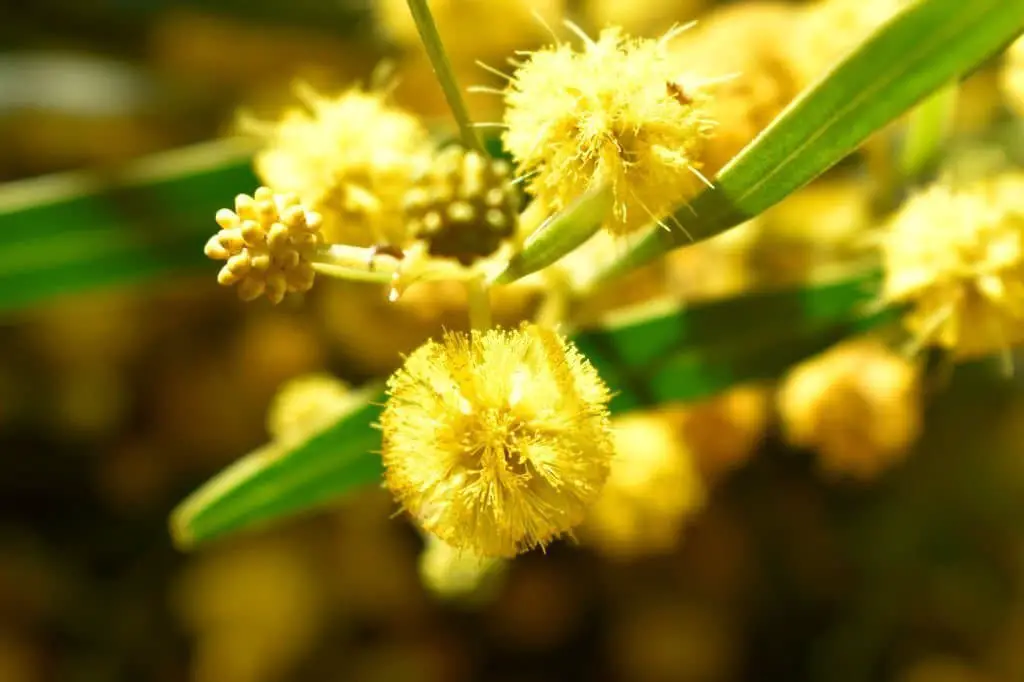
point(956, 255)
point(463, 205)
point(830, 29)
point(617, 113)
point(1013, 76)
point(304, 403)
point(268, 241)
point(350, 157)
point(452, 573)
point(472, 29)
point(654, 486)
point(496, 442)
point(749, 44)
point(857, 406)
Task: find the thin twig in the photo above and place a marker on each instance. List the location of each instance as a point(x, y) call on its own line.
point(443, 70)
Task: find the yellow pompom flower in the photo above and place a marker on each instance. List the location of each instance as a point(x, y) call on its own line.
point(496, 441)
point(857, 406)
point(268, 241)
point(956, 255)
point(305, 403)
point(618, 114)
point(350, 157)
point(653, 488)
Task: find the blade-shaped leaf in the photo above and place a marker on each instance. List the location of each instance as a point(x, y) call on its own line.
point(674, 355)
point(80, 231)
point(561, 234)
point(285, 478)
point(918, 51)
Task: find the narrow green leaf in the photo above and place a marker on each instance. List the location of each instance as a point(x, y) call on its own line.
point(285, 478)
point(560, 235)
point(924, 47)
point(927, 131)
point(81, 231)
point(674, 355)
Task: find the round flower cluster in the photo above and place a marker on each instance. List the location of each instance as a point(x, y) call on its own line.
point(498, 441)
point(269, 242)
point(616, 114)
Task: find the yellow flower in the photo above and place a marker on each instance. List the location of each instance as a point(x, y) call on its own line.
point(350, 157)
point(268, 241)
point(750, 43)
point(725, 431)
point(956, 255)
point(830, 29)
point(1012, 76)
point(472, 29)
point(617, 113)
point(653, 488)
point(304, 403)
point(454, 574)
point(496, 441)
point(856, 405)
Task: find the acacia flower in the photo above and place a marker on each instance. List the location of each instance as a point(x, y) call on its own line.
point(305, 403)
point(350, 157)
point(956, 256)
point(496, 441)
point(653, 488)
point(268, 241)
point(451, 573)
point(857, 406)
point(617, 113)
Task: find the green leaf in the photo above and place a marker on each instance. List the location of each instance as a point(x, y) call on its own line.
point(671, 355)
point(921, 49)
point(561, 234)
point(284, 478)
point(928, 129)
point(82, 231)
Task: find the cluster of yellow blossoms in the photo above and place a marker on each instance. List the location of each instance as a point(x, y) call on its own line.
point(497, 441)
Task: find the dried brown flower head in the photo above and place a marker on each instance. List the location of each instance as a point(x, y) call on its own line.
point(463, 206)
point(304, 403)
point(496, 441)
point(268, 241)
point(617, 113)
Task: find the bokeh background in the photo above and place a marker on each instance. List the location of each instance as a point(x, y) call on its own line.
point(116, 403)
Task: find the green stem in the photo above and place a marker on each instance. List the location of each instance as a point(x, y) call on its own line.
point(443, 70)
point(478, 295)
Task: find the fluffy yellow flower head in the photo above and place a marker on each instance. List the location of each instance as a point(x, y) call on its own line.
point(830, 29)
point(349, 157)
point(654, 486)
point(617, 113)
point(1012, 76)
point(856, 405)
point(957, 255)
point(496, 441)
